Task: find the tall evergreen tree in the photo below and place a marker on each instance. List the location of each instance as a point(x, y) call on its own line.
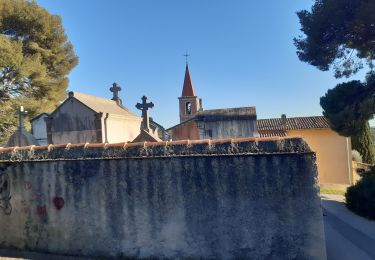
point(35, 59)
point(348, 107)
point(340, 35)
point(363, 143)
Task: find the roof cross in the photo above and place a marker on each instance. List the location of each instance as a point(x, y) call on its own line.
point(144, 106)
point(115, 89)
point(186, 57)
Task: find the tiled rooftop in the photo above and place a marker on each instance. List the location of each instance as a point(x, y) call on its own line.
point(238, 113)
point(293, 123)
point(272, 133)
point(103, 105)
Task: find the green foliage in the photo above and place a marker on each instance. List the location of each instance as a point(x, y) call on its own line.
point(357, 157)
point(363, 143)
point(341, 35)
point(338, 34)
point(348, 107)
point(373, 134)
point(8, 122)
point(335, 191)
point(35, 59)
point(360, 197)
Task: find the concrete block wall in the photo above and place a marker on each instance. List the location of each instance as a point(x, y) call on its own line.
point(224, 199)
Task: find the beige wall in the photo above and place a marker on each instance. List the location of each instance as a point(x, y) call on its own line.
point(333, 151)
point(121, 129)
point(75, 137)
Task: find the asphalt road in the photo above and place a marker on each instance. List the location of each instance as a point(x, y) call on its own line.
point(348, 236)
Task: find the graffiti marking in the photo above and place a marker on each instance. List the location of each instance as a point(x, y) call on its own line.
point(25, 210)
point(28, 185)
point(35, 196)
point(58, 202)
point(41, 210)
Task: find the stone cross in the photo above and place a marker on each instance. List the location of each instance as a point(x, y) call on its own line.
point(21, 118)
point(115, 89)
point(144, 107)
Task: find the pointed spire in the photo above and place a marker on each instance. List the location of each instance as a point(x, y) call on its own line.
point(188, 90)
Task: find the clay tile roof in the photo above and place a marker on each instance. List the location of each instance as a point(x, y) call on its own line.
point(103, 105)
point(227, 114)
point(294, 123)
point(263, 134)
point(188, 89)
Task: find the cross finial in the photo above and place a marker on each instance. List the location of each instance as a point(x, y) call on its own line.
point(186, 57)
point(144, 106)
point(115, 89)
point(21, 118)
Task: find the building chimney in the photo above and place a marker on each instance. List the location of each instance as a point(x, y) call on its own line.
point(283, 119)
point(71, 94)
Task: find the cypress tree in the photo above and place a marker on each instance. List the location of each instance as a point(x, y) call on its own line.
point(339, 36)
point(363, 143)
point(349, 106)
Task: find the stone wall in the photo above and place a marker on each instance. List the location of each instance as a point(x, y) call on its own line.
point(227, 129)
point(39, 128)
point(187, 130)
point(65, 125)
point(222, 199)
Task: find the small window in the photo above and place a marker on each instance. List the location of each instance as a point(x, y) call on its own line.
point(188, 108)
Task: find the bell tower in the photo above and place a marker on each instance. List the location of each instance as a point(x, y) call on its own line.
point(190, 104)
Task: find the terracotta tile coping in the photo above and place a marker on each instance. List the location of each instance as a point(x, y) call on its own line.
point(143, 144)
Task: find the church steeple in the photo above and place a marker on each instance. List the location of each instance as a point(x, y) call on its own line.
point(190, 104)
point(188, 89)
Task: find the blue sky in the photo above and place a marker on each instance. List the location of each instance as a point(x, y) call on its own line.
point(242, 53)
